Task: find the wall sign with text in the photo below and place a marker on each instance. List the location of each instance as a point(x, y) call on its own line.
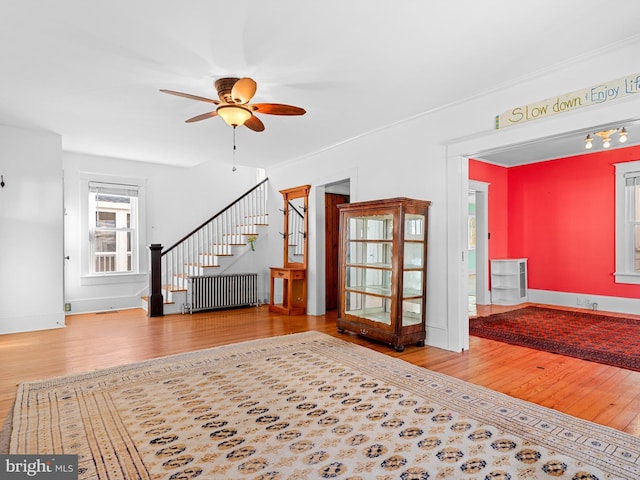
point(597, 94)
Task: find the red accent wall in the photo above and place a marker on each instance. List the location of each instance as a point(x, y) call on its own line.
point(560, 215)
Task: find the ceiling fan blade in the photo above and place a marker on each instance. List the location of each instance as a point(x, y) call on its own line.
point(204, 116)
point(277, 109)
point(255, 124)
point(243, 90)
point(192, 97)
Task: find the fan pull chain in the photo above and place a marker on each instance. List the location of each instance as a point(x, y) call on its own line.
point(234, 150)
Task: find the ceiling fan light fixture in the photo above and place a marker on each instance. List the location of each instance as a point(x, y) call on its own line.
point(234, 115)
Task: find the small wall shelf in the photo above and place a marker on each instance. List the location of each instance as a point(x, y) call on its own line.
point(509, 281)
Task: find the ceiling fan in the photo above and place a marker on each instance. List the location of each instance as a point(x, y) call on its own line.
point(234, 107)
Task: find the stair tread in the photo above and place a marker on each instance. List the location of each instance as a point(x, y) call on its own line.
point(173, 288)
point(145, 298)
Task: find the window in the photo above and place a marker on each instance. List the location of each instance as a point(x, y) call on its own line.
point(628, 222)
point(113, 228)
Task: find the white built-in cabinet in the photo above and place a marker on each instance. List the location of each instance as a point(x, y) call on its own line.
point(509, 281)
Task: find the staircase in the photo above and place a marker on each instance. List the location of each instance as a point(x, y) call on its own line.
point(212, 249)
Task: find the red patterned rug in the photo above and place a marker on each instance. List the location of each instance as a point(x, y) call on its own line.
point(598, 338)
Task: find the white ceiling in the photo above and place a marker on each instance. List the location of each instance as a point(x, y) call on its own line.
point(92, 71)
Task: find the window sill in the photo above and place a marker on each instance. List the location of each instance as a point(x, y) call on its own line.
point(631, 278)
point(116, 278)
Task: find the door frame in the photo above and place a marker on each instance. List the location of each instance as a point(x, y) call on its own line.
point(483, 296)
point(334, 217)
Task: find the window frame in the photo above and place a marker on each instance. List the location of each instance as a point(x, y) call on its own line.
point(624, 242)
point(138, 250)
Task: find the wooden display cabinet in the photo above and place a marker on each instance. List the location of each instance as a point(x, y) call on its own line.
point(383, 270)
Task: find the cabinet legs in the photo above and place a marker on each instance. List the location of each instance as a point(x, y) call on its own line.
point(377, 336)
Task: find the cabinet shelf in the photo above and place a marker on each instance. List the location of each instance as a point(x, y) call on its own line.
point(509, 281)
point(370, 290)
point(380, 266)
point(384, 266)
point(370, 240)
point(407, 293)
point(378, 315)
point(382, 270)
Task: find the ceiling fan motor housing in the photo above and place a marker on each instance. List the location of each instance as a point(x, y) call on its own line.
point(224, 87)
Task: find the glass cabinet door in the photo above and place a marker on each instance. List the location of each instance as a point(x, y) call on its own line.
point(368, 267)
point(413, 269)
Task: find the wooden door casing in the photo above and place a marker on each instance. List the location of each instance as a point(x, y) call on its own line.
point(332, 239)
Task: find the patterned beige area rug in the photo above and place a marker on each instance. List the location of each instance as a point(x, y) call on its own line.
point(305, 406)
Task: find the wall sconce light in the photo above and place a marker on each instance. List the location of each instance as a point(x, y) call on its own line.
point(606, 137)
point(2, 184)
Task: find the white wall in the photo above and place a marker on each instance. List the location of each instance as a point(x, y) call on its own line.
point(177, 201)
point(31, 259)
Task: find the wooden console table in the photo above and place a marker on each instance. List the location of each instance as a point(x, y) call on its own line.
point(294, 290)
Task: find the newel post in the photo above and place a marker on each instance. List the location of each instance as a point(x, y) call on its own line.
point(156, 301)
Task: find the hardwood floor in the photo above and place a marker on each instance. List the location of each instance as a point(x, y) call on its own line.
point(599, 393)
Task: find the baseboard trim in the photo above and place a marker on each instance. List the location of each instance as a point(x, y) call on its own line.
point(587, 301)
point(30, 323)
point(104, 304)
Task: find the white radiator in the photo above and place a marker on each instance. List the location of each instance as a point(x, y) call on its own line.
point(222, 291)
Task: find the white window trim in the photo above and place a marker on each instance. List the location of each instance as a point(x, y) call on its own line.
point(86, 275)
point(623, 273)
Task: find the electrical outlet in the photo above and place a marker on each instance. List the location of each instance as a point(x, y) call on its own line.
point(580, 302)
point(67, 307)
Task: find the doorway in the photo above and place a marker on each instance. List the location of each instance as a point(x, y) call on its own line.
point(471, 254)
point(478, 246)
point(334, 195)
